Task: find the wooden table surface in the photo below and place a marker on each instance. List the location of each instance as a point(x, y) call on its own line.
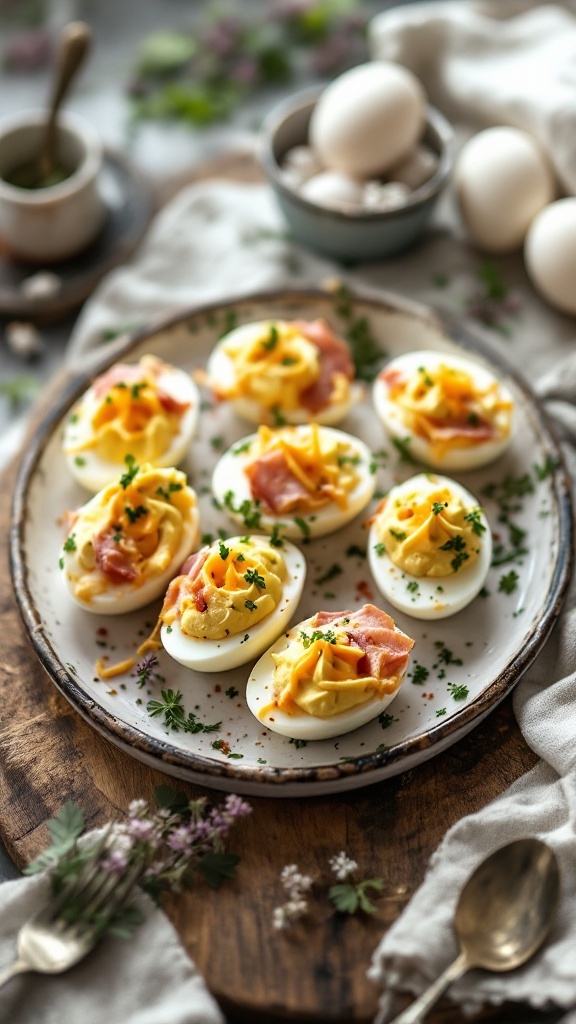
point(315, 972)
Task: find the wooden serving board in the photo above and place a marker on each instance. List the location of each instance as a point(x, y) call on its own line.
point(316, 972)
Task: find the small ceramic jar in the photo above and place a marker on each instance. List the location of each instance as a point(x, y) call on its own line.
point(53, 222)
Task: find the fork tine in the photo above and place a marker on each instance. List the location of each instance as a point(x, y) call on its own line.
point(112, 897)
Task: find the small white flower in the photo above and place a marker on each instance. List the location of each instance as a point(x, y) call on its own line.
point(137, 807)
point(342, 865)
point(279, 919)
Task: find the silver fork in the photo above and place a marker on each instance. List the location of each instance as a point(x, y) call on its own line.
point(50, 944)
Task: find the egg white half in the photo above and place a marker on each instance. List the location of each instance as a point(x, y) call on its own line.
point(426, 597)
point(260, 694)
point(221, 369)
point(94, 472)
point(229, 477)
point(467, 456)
point(239, 648)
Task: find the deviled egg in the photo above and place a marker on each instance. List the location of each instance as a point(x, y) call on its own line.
point(330, 674)
point(148, 410)
point(231, 602)
point(454, 412)
point(302, 481)
point(429, 547)
point(124, 545)
point(277, 371)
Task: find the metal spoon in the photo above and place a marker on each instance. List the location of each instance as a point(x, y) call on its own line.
point(503, 915)
point(44, 170)
point(74, 44)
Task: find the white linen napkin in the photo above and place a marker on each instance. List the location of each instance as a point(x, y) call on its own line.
point(147, 979)
point(510, 62)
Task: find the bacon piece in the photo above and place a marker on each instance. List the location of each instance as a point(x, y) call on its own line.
point(187, 583)
point(393, 377)
point(334, 358)
point(437, 430)
point(171, 404)
point(273, 483)
point(194, 563)
point(386, 648)
point(120, 373)
point(112, 560)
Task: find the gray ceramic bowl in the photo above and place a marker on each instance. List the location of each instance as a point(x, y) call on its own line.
point(365, 235)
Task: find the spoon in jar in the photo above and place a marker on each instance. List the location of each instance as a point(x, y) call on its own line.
point(44, 170)
point(503, 915)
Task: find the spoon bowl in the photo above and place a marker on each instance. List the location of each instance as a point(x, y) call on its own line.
point(504, 913)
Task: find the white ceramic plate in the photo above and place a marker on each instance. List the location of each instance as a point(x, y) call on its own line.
point(461, 667)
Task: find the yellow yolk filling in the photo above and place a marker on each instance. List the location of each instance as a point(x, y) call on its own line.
point(237, 590)
point(129, 418)
point(145, 521)
point(432, 534)
point(274, 366)
point(322, 679)
point(324, 466)
point(447, 396)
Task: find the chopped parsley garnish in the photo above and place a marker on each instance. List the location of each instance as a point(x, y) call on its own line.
point(135, 513)
point(275, 539)
point(278, 419)
point(413, 587)
point(398, 534)
point(302, 526)
point(250, 605)
point(206, 538)
point(70, 543)
point(298, 743)
point(547, 467)
point(249, 511)
point(223, 550)
point(253, 576)
point(288, 361)
point(137, 388)
point(386, 720)
point(330, 574)
point(127, 477)
point(458, 691)
point(241, 448)
point(217, 443)
point(402, 446)
point(420, 674)
point(231, 692)
point(445, 655)
point(348, 460)
point(308, 639)
point(61, 563)
point(474, 518)
point(426, 378)
point(79, 461)
point(440, 712)
point(354, 551)
point(438, 506)
point(509, 582)
point(380, 548)
point(172, 710)
point(272, 340)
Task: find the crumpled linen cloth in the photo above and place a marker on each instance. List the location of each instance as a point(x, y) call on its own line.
point(146, 979)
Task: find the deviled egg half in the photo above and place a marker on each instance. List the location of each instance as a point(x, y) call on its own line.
point(300, 482)
point(231, 601)
point(148, 410)
point(429, 547)
point(277, 371)
point(124, 545)
point(330, 674)
point(452, 411)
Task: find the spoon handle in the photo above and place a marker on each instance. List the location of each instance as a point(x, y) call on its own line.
point(74, 44)
point(417, 1010)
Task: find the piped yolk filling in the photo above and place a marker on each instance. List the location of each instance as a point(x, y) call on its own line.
point(323, 680)
point(130, 534)
point(273, 368)
point(444, 406)
point(432, 534)
point(133, 415)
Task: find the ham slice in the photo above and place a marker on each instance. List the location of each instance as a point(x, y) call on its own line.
point(437, 430)
point(112, 560)
point(273, 484)
point(188, 583)
point(334, 359)
point(385, 648)
point(124, 373)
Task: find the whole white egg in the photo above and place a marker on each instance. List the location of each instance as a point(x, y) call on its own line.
point(367, 119)
point(503, 179)
point(550, 253)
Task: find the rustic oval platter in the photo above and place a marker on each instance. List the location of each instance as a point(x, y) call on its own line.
point(461, 666)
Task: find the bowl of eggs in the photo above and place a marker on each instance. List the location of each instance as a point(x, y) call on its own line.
point(358, 167)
